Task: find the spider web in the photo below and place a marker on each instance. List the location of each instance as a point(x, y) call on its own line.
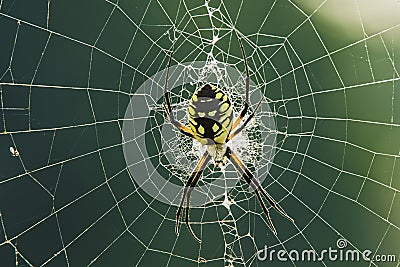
point(328, 73)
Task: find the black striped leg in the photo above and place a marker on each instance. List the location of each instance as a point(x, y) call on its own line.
point(183, 129)
point(238, 130)
point(187, 191)
point(246, 102)
point(256, 186)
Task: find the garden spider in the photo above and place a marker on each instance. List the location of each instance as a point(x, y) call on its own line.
point(210, 116)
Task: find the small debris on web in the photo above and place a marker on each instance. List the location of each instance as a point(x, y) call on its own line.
point(14, 152)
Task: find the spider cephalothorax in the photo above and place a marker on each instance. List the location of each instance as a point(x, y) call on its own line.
point(211, 123)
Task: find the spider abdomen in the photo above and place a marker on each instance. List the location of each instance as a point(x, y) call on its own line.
point(210, 115)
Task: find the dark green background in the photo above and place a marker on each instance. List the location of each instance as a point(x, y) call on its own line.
point(70, 189)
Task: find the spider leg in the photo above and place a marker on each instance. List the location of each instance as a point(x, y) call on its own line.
point(183, 129)
point(245, 123)
point(266, 212)
point(187, 191)
point(246, 102)
point(275, 205)
point(259, 191)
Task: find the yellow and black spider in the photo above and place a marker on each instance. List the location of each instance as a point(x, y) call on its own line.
point(211, 122)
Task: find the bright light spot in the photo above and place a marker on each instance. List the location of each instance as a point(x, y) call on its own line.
point(215, 39)
point(374, 15)
point(227, 203)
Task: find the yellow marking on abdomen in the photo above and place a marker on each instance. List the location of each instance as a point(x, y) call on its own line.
point(212, 113)
point(221, 138)
point(226, 122)
point(224, 107)
point(200, 129)
point(192, 121)
point(192, 111)
point(219, 95)
point(215, 128)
